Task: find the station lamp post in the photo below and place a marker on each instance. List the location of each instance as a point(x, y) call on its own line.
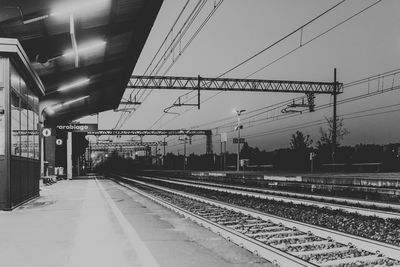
point(238, 127)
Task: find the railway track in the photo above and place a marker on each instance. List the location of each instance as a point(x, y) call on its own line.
point(282, 241)
point(387, 209)
point(248, 192)
point(327, 199)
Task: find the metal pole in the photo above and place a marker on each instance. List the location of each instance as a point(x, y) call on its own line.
point(41, 152)
point(90, 155)
point(157, 155)
point(221, 159)
point(334, 123)
point(224, 156)
point(41, 141)
point(163, 161)
point(198, 92)
point(69, 156)
point(184, 154)
point(238, 145)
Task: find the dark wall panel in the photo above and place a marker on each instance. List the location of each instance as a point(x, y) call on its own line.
point(25, 175)
point(15, 182)
point(3, 184)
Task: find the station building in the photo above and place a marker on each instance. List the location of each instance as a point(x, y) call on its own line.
point(20, 90)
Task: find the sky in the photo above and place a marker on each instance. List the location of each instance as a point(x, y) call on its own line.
point(364, 46)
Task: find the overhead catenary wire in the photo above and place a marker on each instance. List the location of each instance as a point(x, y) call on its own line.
point(175, 42)
point(343, 22)
point(306, 43)
point(156, 54)
point(347, 86)
point(199, 4)
point(281, 39)
point(277, 42)
point(347, 100)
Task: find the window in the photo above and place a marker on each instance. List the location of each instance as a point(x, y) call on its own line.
point(36, 136)
point(15, 125)
point(24, 128)
point(24, 119)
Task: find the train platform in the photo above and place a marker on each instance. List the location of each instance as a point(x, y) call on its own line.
point(96, 222)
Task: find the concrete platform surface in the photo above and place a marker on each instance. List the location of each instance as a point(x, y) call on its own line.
point(90, 222)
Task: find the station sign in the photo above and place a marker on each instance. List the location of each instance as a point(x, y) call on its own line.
point(59, 142)
point(241, 140)
point(46, 132)
point(77, 128)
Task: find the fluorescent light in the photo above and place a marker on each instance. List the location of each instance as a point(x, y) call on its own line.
point(73, 8)
point(75, 100)
point(74, 84)
point(70, 8)
point(86, 47)
point(35, 19)
point(52, 109)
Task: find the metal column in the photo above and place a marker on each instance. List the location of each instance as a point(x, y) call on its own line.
point(69, 156)
point(334, 123)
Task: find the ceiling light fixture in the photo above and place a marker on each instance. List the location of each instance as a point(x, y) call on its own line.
point(86, 47)
point(75, 100)
point(74, 84)
point(50, 110)
point(66, 9)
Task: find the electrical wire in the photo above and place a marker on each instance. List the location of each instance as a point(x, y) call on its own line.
point(164, 42)
point(297, 48)
point(349, 85)
point(322, 121)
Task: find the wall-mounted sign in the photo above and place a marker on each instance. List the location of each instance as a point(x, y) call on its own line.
point(59, 142)
point(84, 127)
point(25, 132)
point(46, 132)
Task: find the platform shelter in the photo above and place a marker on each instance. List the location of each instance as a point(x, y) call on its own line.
point(20, 90)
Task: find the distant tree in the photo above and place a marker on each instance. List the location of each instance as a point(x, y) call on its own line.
point(300, 142)
point(251, 153)
point(326, 135)
point(296, 157)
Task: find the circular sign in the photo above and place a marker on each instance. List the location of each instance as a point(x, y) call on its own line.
point(46, 132)
point(59, 142)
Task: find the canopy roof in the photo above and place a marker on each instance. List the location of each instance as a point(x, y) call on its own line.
point(108, 37)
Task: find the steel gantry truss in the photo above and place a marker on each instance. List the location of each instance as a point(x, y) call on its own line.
point(310, 88)
point(130, 144)
point(229, 84)
point(207, 133)
point(151, 132)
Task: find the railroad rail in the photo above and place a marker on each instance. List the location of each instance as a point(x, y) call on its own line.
point(247, 192)
point(285, 242)
point(320, 198)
